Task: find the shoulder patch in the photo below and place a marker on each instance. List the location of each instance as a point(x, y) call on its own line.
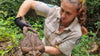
point(50, 5)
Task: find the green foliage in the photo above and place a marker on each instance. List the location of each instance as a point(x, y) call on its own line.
point(3, 14)
point(83, 46)
point(10, 7)
point(9, 32)
point(93, 6)
point(98, 25)
point(93, 13)
point(9, 48)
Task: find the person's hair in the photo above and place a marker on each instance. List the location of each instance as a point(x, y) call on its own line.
point(80, 5)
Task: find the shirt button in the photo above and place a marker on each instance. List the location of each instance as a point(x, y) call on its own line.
point(57, 32)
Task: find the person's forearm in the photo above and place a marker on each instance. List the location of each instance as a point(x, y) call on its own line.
point(24, 8)
point(52, 50)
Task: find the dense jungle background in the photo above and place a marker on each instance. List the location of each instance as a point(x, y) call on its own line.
point(10, 34)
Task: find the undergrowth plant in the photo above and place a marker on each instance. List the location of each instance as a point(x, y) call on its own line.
point(84, 45)
point(9, 33)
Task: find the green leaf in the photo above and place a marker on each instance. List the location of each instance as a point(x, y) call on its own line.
point(98, 24)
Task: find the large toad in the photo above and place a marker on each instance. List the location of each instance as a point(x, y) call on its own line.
point(31, 45)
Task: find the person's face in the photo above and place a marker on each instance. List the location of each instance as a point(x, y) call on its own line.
point(68, 12)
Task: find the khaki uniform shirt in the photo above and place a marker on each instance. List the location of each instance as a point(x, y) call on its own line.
point(66, 38)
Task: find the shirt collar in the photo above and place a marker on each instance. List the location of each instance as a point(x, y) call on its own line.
point(70, 27)
point(58, 16)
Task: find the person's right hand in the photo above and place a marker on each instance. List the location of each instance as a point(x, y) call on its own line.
point(20, 23)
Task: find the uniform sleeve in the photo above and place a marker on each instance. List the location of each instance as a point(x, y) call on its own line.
point(67, 46)
point(42, 8)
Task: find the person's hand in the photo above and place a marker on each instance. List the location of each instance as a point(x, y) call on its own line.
point(52, 50)
point(20, 23)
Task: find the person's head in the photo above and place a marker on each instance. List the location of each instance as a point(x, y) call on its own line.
point(71, 9)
